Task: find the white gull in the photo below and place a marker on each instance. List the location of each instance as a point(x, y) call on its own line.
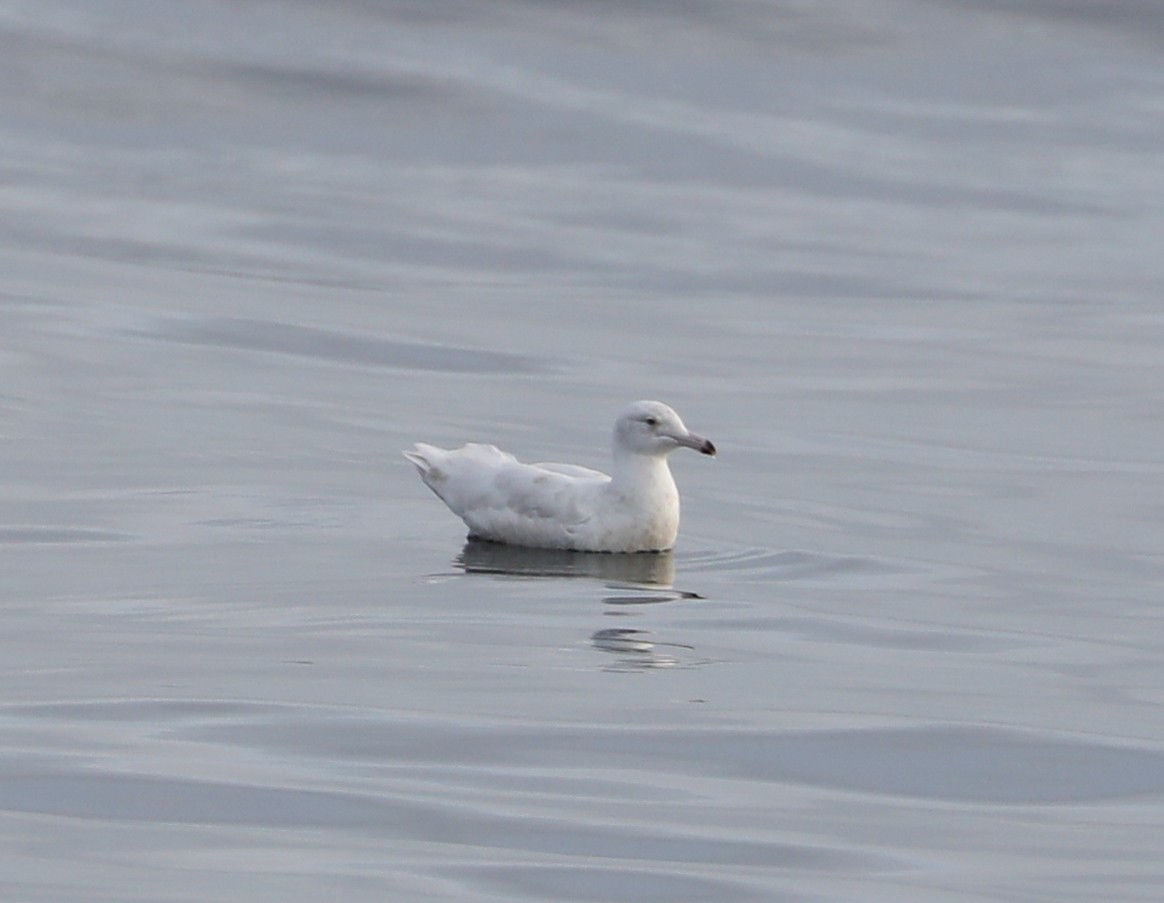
point(564, 506)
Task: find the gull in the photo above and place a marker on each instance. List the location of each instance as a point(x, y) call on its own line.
point(564, 506)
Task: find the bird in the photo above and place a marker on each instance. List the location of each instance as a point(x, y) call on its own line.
point(565, 506)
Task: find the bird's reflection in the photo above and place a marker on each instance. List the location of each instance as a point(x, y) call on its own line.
point(643, 568)
point(634, 650)
point(634, 580)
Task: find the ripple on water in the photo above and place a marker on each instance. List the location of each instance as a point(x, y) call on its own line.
point(590, 883)
point(474, 789)
point(52, 535)
point(769, 564)
point(334, 346)
point(974, 763)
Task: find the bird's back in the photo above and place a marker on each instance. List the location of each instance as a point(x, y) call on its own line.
point(502, 499)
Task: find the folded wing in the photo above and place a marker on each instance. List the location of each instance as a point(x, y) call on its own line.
point(502, 499)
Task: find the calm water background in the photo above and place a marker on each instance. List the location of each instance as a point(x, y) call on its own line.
point(902, 261)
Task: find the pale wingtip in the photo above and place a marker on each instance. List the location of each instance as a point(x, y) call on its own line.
point(417, 457)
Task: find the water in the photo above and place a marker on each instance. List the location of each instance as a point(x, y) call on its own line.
point(899, 260)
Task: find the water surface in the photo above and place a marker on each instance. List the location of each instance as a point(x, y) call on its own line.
point(900, 260)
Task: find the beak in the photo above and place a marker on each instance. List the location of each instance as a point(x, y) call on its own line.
point(701, 445)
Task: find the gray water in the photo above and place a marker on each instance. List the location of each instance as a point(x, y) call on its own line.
point(900, 260)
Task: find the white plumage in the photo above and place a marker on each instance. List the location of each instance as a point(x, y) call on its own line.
point(564, 506)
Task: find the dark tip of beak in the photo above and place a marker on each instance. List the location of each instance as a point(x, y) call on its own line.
point(708, 448)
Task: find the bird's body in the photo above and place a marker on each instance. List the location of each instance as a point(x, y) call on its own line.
point(564, 506)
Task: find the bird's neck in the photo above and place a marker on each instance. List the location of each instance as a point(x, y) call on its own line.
point(642, 477)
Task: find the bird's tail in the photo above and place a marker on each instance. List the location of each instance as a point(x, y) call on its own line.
point(425, 458)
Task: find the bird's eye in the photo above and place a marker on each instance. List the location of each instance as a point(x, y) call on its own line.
point(651, 421)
